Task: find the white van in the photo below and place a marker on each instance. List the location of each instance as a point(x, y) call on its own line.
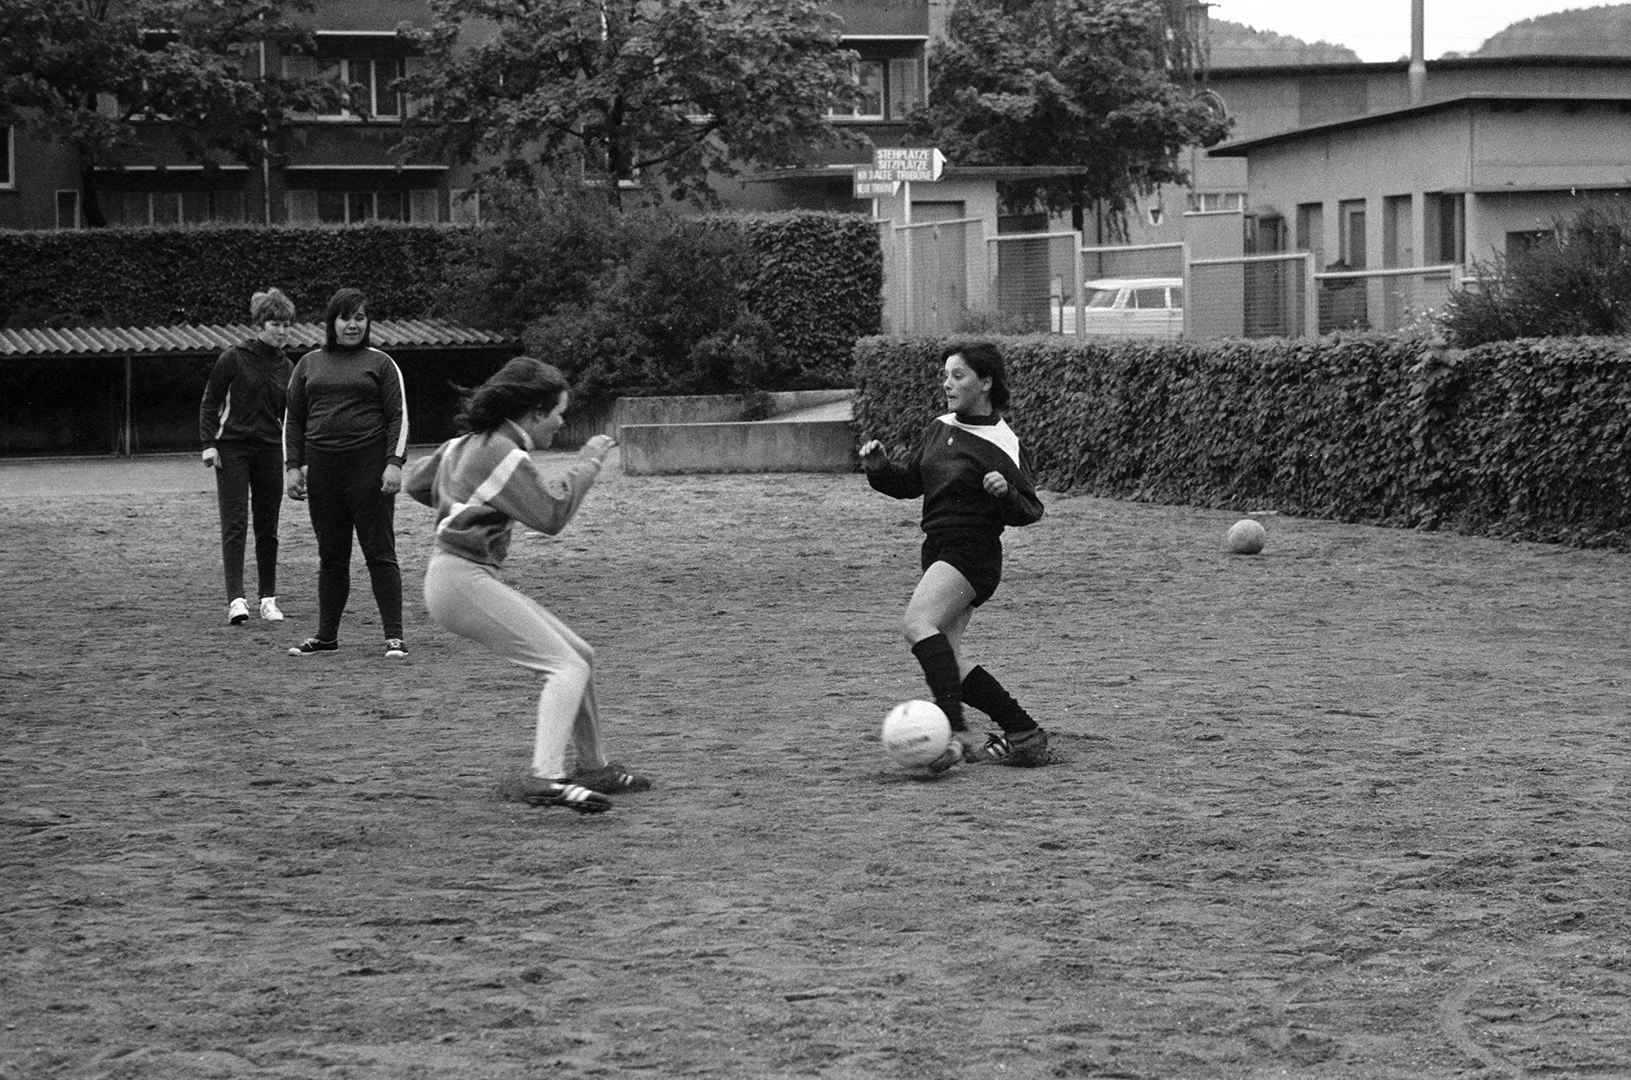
point(1129, 307)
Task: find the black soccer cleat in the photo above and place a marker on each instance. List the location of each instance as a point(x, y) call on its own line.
point(540, 792)
point(1025, 752)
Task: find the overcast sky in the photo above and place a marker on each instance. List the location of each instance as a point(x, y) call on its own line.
point(1379, 30)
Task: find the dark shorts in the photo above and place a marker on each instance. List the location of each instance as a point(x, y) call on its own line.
point(977, 557)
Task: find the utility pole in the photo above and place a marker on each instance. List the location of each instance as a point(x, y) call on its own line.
point(1418, 51)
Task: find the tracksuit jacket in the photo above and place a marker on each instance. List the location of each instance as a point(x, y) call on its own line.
point(245, 396)
point(481, 484)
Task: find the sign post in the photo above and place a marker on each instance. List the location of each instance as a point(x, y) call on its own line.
point(893, 166)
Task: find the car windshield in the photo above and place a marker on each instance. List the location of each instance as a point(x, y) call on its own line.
point(1102, 298)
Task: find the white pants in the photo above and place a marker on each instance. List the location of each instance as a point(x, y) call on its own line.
point(468, 599)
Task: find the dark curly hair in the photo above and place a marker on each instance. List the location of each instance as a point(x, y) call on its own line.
point(344, 303)
point(985, 361)
point(520, 386)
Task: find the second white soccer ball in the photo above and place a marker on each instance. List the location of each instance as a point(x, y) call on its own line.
point(915, 733)
point(1247, 537)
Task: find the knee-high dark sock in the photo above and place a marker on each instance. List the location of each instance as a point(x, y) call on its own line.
point(984, 692)
point(939, 663)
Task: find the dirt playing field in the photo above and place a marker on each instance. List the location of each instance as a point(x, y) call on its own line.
point(1358, 806)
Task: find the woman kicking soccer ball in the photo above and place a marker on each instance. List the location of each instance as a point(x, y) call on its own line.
point(481, 484)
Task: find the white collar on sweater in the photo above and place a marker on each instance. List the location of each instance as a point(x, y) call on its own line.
point(999, 434)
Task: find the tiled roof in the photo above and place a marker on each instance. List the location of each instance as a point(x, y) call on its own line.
point(38, 342)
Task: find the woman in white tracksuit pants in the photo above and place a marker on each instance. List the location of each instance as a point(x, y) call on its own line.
point(481, 484)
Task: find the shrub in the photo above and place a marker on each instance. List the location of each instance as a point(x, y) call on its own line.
point(107, 276)
point(1574, 282)
point(671, 318)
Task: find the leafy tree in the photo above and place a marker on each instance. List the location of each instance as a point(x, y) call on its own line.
point(1103, 88)
point(103, 76)
point(629, 89)
point(1574, 282)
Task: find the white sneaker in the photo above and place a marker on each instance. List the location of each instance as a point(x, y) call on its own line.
point(269, 609)
point(238, 612)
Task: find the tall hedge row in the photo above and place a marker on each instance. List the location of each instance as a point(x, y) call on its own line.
point(820, 285)
point(206, 274)
point(1527, 439)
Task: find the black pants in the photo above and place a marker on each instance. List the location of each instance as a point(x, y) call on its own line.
point(250, 477)
point(343, 494)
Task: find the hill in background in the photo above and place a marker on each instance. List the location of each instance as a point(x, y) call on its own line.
point(1595, 31)
point(1237, 45)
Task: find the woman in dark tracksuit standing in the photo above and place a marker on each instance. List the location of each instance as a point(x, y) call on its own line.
point(240, 422)
point(345, 438)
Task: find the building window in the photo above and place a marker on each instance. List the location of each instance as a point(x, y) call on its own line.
point(1520, 244)
point(67, 209)
point(1209, 201)
point(1351, 233)
point(367, 84)
point(1398, 246)
point(307, 206)
point(1311, 230)
point(1445, 222)
point(174, 207)
point(905, 87)
point(8, 159)
point(464, 206)
point(889, 89)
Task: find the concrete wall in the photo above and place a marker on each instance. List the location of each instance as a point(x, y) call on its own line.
point(811, 446)
point(714, 408)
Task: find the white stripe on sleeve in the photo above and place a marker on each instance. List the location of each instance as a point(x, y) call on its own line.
point(488, 490)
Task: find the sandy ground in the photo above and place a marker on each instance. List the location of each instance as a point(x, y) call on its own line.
point(1353, 807)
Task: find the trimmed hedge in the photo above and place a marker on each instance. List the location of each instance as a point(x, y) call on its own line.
point(1527, 439)
point(207, 273)
point(820, 285)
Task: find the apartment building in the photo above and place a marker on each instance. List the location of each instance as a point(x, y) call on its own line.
point(338, 168)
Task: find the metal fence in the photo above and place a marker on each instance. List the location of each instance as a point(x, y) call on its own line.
point(945, 277)
point(1248, 296)
point(1134, 261)
point(1035, 281)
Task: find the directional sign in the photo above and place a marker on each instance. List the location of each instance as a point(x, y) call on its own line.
point(874, 183)
point(916, 163)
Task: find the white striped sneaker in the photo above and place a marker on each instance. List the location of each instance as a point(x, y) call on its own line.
point(269, 609)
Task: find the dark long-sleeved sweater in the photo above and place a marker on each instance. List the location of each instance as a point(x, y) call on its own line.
point(343, 399)
point(245, 396)
point(948, 470)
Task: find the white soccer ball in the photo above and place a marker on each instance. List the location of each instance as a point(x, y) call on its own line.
point(915, 733)
point(1247, 537)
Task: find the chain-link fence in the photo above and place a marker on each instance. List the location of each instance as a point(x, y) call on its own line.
point(1382, 299)
point(946, 277)
point(1133, 261)
point(1248, 296)
point(1035, 282)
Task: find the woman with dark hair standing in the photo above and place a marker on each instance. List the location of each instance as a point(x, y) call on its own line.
point(344, 441)
point(240, 421)
point(974, 481)
point(481, 484)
